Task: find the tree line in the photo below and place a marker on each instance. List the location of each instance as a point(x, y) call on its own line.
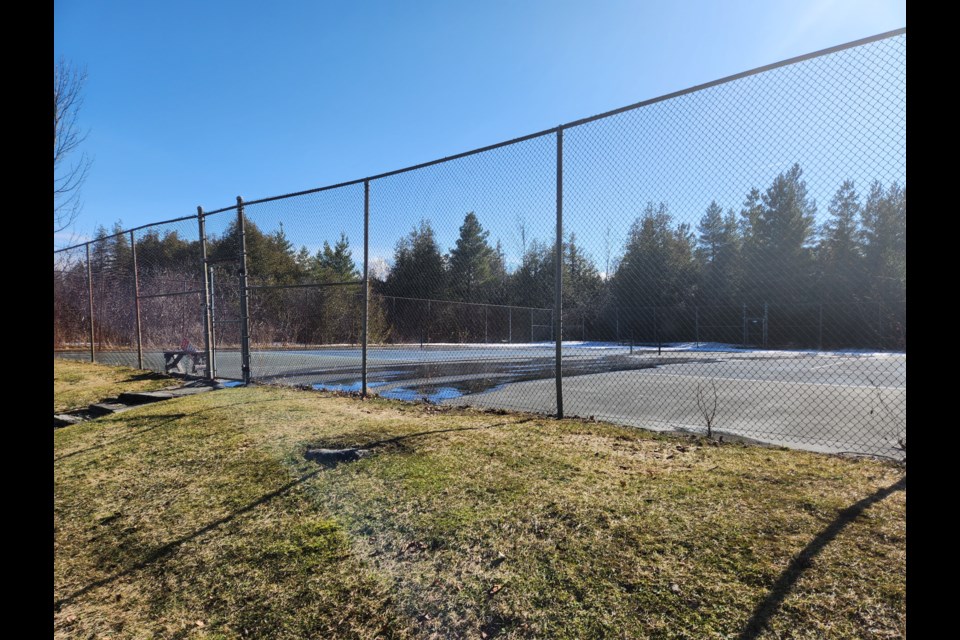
point(838, 284)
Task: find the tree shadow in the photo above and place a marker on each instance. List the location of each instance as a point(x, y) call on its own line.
point(171, 417)
point(150, 375)
point(170, 547)
point(768, 607)
point(399, 439)
point(173, 545)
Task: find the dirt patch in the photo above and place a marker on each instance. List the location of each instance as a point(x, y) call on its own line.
point(333, 457)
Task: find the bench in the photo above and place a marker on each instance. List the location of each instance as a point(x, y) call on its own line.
point(172, 360)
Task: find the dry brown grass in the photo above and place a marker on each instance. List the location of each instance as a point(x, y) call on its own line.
point(77, 384)
point(200, 518)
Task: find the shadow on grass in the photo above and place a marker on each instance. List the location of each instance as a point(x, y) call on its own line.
point(769, 606)
point(399, 439)
point(171, 417)
point(173, 545)
point(150, 375)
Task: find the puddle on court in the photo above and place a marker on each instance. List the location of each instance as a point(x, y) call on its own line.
point(426, 393)
point(478, 376)
point(346, 387)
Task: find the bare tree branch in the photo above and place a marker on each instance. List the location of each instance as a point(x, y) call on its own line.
point(69, 170)
point(708, 411)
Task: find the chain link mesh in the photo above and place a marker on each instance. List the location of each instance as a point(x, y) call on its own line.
point(735, 224)
point(305, 257)
point(460, 313)
point(71, 311)
point(732, 258)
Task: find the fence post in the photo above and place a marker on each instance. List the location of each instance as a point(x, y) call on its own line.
point(510, 325)
point(696, 324)
point(213, 325)
point(136, 301)
point(558, 276)
point(820, 329)
point(743, 321)
point(880, 322)
point(656, 329)
point(244, 308)
point(207, 316)
point(765, 317)
point(366, 286)
point(93, 357)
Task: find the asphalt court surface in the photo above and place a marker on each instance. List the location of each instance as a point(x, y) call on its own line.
point(822, 401)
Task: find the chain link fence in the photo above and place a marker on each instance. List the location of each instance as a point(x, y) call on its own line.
point(729, 258)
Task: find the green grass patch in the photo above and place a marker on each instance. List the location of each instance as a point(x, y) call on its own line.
point(199, 518)
point(78, 384)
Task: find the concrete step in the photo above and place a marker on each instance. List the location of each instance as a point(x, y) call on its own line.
point(189, 391)
point(131, 400)
point(108, 407)
point(144, 397)
point(65, 420)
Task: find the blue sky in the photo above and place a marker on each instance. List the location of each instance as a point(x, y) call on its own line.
point(194, 103)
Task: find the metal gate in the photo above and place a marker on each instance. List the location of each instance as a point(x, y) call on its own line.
point(225, 278)
point(755, 325)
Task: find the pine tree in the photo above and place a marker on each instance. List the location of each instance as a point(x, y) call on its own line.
point(471, 262)
point(531, 284)
point(884, 232)
point(419, 269)
point(719, 255)
point(657, 271)
point(840, 253)
point(712, 235)
point(778, 228)
point(337, 308)
point(884, 224)
point(336, 263)
point(270, 256)
point(582, 281)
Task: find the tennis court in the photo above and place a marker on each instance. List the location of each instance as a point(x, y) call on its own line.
point(823, 401)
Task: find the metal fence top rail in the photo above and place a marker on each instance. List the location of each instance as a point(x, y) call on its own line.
point(463, 302)
point(700, 87)
point(125, 232)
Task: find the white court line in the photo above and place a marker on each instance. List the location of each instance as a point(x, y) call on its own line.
point(811, 384)
point(825, 366)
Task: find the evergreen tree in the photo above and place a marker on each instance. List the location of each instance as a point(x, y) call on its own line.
point(657, 271)
point(840, 253)
point(778, 229)
point(582, 281)
point(336, 263)
point(337, 308)
point(719, 256)
point(657, 265)
point(582, 291)
point(499, 281)
point(419, 269)
point(531, 284)
point(304, 260)
point(270, 256)
point(884, 232)
point(472, 263)
point(712, 235)
point(884, 224)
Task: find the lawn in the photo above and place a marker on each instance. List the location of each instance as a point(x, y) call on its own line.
point(77, 384)
point(200, 518)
